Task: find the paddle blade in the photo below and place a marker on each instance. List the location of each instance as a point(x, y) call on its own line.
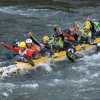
point(71, 56)
point(29, 61)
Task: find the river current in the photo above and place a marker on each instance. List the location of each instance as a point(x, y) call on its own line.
point(52, 81)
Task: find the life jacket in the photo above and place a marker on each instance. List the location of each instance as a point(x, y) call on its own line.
point(88, 34)
point(59, 42)
point(97, 24)
point(35, 49)
point(71, 38)
point(26, 52)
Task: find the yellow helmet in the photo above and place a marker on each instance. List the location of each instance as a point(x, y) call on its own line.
point(87, 27)
point(87, 23)
point(22, 45)
point(46, 38)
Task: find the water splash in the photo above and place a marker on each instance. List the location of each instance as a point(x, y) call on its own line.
point(3, 62)
point(29, 12)
point(45, 66)
point(30, 85)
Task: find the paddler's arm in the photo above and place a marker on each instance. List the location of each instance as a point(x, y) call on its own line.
point(6, 46)
point(10, 47)
point(48, 46)
point(61, 36)
point(33, 39)
point(36, 42)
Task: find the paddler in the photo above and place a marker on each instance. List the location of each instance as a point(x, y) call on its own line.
point(45, 46)
point(21, 50)
point(57, 40)
point(89, 22)
point(69, 41)
point(66, 32)
point(33, 47)
point(86, 35)
point(57, 43)
point(74, 33)
point(95, 26)
point(57, 31)
point(24, 52)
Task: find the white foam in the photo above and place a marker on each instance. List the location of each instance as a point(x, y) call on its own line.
point(56, 82)
point(46, 66)
point(93, 57)
point(95, 75)
point(29, 12)
point(5, 94)
point(30, 85)
point(3, 62)
point(7, 85)
point(51, 84)
point(79, 81)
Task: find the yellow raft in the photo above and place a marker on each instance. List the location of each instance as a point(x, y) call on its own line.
point(55, 57)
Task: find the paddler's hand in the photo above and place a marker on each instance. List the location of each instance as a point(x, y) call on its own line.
point(77, 24)
point(32, 50)
point(42, 46)
point(21, 55)
point(30, 34)
point(1, 43)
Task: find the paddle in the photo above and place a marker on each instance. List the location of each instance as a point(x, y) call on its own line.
point(34, 39)
point(30, 61)
point(71, 56)
point(50, 52)
point(52, 35)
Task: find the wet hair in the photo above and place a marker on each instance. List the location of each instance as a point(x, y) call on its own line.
point(67, 31)
point(55, 27)
point(15, 43)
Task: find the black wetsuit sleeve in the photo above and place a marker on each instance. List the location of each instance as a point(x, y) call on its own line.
point(35, 41)
point(93, 30)
point(61, 36)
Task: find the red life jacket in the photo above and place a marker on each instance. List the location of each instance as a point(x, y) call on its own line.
point(26, 52)
point(71, 38)
point(34, 49)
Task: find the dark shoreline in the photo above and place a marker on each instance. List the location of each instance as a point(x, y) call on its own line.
point(15, 2)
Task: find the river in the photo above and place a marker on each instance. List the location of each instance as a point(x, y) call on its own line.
point(55, 81)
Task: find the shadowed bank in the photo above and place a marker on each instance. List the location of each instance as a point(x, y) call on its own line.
point(52, 2)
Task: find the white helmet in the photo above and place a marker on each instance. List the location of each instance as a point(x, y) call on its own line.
point(70, 50)
point(28, 41)
point(98, 44)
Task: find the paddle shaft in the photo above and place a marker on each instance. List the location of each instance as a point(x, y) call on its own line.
point(29, 61)
point(35, 41)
